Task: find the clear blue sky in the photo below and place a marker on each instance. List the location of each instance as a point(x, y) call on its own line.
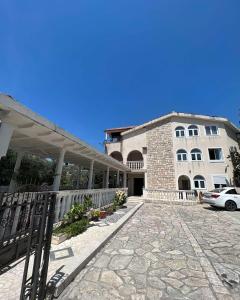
point(88, 65)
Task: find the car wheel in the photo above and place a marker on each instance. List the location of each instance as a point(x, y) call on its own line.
point(230, 205)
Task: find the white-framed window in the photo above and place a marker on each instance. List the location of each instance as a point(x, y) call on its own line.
point(181, 155)
point(220, 181)
point(180, 131)
point(211, 130)
point(193, 130)
point(199, 182)
point(196, 154)
point(215, 154)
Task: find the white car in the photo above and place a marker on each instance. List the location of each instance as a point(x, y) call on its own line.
point(226, 197)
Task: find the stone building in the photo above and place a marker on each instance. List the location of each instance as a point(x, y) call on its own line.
point(177, 151)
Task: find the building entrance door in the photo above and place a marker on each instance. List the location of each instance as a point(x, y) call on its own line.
point(138, 186)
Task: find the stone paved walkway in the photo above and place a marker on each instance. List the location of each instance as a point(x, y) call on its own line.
point(166, 252)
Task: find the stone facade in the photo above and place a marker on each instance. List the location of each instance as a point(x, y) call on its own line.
point(160, 158)
point(159, 144)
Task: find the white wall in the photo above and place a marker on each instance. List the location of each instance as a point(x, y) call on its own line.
point(205, 168)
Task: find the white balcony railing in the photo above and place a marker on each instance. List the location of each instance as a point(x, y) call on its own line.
point(170, 195)
point(100, 197)
point(135, 165)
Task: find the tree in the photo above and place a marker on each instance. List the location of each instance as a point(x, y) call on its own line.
point(235, 158)
point(7, 164)
point(33, 169)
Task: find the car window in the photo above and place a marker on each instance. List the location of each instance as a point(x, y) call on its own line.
point(217, 190)
point(232, 191)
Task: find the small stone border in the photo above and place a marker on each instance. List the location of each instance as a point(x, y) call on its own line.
point(84, 260)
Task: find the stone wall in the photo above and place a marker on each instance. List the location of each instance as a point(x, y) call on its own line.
point(160, 158)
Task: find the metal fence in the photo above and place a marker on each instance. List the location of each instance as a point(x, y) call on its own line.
point(26, 221)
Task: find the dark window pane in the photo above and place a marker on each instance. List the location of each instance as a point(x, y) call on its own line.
point(233, 192)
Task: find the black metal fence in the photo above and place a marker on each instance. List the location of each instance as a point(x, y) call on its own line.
point(26, 222)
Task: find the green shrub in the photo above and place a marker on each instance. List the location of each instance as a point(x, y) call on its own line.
point(120, 199)
point(72, 229)
point(76, 227)
point(76, 213)
point(87, 203)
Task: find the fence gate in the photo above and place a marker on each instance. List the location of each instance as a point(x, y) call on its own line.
point(26, 223)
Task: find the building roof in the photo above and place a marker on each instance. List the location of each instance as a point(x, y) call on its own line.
point(118, 129)
point(36, 135)
point(183, 115)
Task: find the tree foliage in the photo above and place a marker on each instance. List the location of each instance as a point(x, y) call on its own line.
point(235, 158)
point(33, 169)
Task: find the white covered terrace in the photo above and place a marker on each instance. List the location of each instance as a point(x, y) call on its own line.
point(24, 131)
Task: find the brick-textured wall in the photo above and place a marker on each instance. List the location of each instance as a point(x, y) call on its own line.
point(160, 159)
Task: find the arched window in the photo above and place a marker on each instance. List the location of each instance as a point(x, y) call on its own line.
point(117, 155)
point(196, 154)
point(182, 155)
point(180, 131)
point(199, 182)
point(193, 130)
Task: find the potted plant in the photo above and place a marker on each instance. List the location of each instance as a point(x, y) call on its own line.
point(95, 214)
point(120, 199)
point(103, 214)
point(110, 210)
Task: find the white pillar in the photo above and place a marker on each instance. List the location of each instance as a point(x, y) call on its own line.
point(125, 179)
point(78, 178)
point(145, 181)
point(6, 131)
point(90, 179)
point(58, 170)
point(118, 178)
point(13, 182)
point(104, 180)
point(107, 178)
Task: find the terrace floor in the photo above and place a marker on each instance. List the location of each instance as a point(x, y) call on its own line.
point(166, 252)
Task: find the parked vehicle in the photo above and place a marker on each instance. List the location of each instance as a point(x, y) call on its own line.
point(226, 197)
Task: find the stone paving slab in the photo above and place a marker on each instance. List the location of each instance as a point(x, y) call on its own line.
point(163, 253)
point(69, 258)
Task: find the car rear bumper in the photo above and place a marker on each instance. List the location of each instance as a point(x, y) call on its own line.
point(213, 202)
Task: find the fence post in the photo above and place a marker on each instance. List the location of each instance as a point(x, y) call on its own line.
point(100, 200)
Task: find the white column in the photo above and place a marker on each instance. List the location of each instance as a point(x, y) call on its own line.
point(104, 180)
point(125, 179)
point(118, 178)
point(107, 178)
point(58, 170)
point(78, 177)
point(6, 131)
point(90, 179)
point(13, 182)
point(145, 181)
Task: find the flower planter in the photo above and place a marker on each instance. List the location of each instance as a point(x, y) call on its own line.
point(103, 214)
point(58, 239)
point(95, 219)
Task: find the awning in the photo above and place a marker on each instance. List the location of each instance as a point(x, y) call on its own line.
point(220, 180)
point(36, 135)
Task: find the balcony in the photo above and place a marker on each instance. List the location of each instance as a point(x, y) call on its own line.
point(135, 165)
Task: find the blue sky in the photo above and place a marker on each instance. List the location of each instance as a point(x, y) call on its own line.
point(88, 65)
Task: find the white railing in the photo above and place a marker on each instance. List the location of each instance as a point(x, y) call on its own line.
point(135, 165)
point(100, 197)
point(170, 195)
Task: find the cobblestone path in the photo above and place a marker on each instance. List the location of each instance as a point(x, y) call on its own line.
point(166, 252)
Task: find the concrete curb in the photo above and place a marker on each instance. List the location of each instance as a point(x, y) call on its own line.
point(83, 261)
